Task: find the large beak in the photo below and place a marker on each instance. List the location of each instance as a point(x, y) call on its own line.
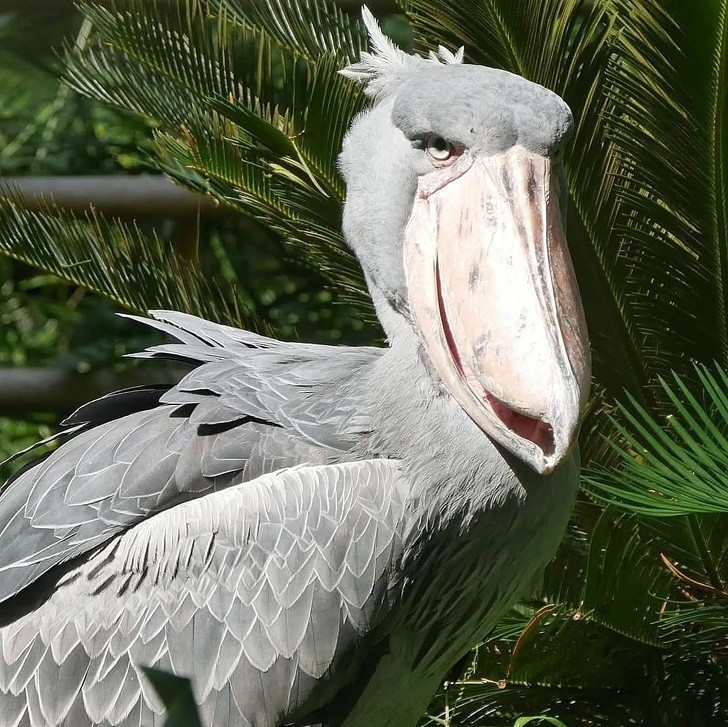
point(493, 293)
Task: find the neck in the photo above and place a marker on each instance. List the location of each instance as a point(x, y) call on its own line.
point(404, 412)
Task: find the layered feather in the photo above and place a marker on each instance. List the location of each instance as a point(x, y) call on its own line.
point(255, 593)
point(241, 412)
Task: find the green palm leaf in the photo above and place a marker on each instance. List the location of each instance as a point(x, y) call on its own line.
point(544, 661)
point(216, 161)
point(138, 271)
point(670, 129)
point(675, 465)
point(673, 474)
point(625, 585)
point(307, 28)
point(250, 109)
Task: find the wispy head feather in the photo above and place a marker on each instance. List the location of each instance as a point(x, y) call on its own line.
point(385, 67)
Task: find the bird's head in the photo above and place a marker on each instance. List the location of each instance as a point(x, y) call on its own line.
point(455, 208)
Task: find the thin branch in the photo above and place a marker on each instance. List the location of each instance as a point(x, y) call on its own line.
point(533, 623)
point(44, 390)
point(141, 196)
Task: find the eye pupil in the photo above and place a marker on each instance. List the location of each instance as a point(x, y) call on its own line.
point(439, 149)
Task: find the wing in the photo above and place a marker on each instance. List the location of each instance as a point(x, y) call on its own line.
point(252, 405)
point(257, 593)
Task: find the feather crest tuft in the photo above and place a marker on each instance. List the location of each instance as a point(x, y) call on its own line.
point(384, 68)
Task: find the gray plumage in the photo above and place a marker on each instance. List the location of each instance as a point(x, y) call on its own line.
point(312, 534)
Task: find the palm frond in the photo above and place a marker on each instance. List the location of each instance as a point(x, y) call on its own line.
point(250, 109)
point(308, 28)
point(675, 465)
point(686, 691)
point(696, 627)
point(673, 472)
point(544, 661)
point(138, 271)
point(626, 585)
point(231, 169)
point(669, 125)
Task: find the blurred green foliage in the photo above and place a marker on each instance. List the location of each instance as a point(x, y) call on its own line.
point(44, 129)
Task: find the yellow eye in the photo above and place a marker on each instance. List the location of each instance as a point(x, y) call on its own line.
point(439, 149)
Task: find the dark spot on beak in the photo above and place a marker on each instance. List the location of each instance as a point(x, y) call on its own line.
point(520, 225)
point(473, 278)
point(507, 182)
point(532, 188)
point(465, 224)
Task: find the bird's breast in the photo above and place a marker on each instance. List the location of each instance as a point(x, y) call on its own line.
point(462, 575)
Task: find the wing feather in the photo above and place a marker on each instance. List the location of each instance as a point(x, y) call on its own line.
point(222, 589)
point(245, 410)
point(57, 684)
point(15, 708)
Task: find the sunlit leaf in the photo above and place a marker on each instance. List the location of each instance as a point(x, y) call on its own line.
point(672, 465)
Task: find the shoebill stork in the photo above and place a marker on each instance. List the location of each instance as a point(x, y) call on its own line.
point(314, 535)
